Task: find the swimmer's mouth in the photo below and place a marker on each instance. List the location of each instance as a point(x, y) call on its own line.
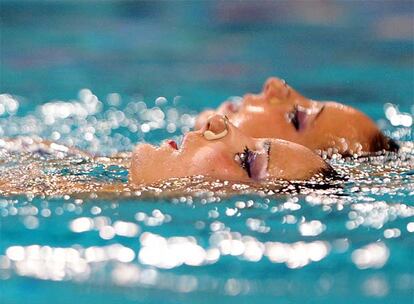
point(177, 145)
point(173, 144)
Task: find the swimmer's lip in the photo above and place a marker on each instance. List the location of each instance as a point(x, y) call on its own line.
point(172, 144)
point(168, 144)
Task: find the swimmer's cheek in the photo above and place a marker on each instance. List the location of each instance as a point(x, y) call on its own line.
point(217, 165)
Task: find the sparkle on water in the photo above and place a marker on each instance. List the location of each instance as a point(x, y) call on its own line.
point(68, 216)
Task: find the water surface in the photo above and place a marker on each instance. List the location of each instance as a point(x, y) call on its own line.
point(91, 76)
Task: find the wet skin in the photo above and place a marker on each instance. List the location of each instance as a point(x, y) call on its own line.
point(220, 150)
point(281, 112)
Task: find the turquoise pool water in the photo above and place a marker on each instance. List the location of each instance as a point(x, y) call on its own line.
point(105, 76)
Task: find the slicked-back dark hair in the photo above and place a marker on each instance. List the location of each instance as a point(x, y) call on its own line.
point(380, 142)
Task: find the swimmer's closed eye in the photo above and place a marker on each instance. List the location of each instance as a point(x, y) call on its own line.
point(293, 118)
point(299, 116)
point(254, 163)
point(244, 159)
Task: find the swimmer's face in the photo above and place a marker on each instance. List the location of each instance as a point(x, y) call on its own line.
point(281, 112)
point(219, 150)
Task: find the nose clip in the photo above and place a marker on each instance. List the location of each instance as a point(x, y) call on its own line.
point(210, 135)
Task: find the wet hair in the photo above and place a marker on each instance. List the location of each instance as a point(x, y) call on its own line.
point(328, 172)
point(326, 178)
point(380, 142)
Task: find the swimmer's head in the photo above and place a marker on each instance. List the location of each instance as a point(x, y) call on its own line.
point(281, 112)
point(219, 150)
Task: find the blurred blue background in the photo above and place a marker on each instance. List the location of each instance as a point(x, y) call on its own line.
point(359, 52)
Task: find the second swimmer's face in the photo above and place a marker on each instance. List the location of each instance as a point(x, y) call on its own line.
point(281, 112)
point(220, 151)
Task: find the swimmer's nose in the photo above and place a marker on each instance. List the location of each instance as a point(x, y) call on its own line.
point(216, 127)
point(276, 90)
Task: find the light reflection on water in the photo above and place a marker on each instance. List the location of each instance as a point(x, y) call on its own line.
point(241, 245)
point(131, 244)
point(351, 243)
